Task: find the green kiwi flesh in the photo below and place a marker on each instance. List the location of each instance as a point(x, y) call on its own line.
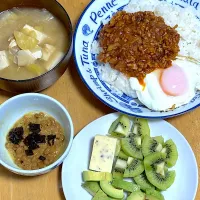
point(159, 139)
point(134, 169)
point(172, 154)
point(125, 185)
point(155, 193)
point(122, 155)
point(120, 127)
point(136, 196)
point(140, 127)
point(160, 180)
point(132, 146)
point(91, 187)
point(143, 182)
point(150, 145)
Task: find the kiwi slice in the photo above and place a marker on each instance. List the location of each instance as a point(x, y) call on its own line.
point(155, 171)
point(155, 193)
point(134, 169)
point(150, 145)
point(118, 174)
point(143, 182)
point(91, 187)
point(159, 139)
point(140, 127)
point(172, 154)
point(120, 127)
point(125, 185)
point(132, 146)
point(121, 164)
point(111, 191)
point(138, 195)
point(122, 155)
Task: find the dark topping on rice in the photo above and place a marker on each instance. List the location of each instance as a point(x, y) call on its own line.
point(138, 43)
point(34, 128)
point(16, 135)
point(42, 158)
point(28, 152)
point(50, 139)
point(33, 139)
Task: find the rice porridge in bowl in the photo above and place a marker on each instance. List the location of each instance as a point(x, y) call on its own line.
point(144, 56)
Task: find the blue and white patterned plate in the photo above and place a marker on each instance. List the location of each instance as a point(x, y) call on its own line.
point(87, 30)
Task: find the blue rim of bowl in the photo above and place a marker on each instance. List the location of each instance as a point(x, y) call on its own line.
point(92, 91)
point(61, 158)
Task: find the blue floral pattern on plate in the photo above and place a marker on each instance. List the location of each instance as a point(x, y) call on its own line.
point(87, 30)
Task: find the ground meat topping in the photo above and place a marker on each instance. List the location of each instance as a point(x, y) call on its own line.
point(138, 43)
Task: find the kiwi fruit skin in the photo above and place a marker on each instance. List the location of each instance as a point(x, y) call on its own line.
point(143, 182)
point(130, 147)
point(125, 185)
point(158, 180)
point(149, 145)
point(91, 187)
point(134, 169)
point(142, 127)
point(155, 193)
point(172, 153)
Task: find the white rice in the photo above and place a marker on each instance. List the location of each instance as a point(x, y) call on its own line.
point(188, 28)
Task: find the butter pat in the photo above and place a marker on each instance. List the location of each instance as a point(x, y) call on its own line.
point(25, 57)
point(103, 153)
point(47, 51)
point(4, 62)
point(39, 35)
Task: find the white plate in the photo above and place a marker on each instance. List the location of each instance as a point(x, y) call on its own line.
point(87, 30)
point(186, 182)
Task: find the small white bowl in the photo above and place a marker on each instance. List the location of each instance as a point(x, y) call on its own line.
point(15, 108)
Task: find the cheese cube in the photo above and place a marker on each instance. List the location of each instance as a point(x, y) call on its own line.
point(55, 59)
point(39, 35)
point(4, 61)
point(103, 153)
point(47, 51)
point(25, 57)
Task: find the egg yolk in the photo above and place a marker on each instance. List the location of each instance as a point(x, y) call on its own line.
point(174, 81)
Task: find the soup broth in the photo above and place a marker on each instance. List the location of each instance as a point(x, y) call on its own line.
point(32, 42)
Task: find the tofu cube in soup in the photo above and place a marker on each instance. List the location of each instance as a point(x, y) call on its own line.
point(4, 61)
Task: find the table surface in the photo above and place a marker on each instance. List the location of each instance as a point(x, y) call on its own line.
point(79, 101)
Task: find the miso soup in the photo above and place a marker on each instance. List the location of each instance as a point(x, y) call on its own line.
point(32, 40)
